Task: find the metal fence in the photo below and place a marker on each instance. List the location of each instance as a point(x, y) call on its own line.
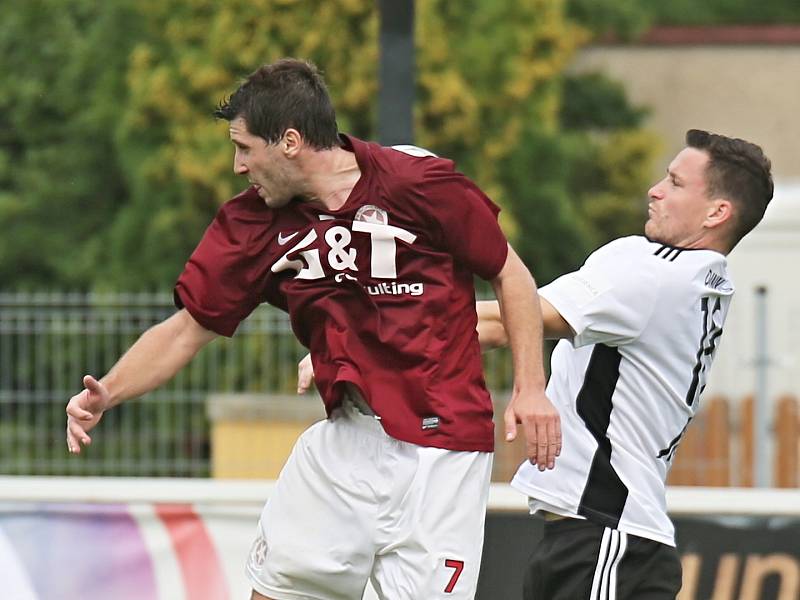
point(48, 341)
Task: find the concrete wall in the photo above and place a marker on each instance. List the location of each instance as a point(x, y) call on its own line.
point(748, 91)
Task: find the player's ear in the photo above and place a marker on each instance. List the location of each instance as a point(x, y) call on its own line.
point(720, 211)
point(291, 142)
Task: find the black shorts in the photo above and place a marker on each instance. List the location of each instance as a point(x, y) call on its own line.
point(581, 560)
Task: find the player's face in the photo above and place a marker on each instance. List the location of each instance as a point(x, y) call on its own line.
point(264, 165)
point(678, 204)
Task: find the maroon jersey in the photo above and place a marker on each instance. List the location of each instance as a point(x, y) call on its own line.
point(380, 291)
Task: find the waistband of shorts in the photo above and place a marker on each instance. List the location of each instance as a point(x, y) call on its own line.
point(355, 412)
point(567, 523)
point(551, 516)
point(353, 398)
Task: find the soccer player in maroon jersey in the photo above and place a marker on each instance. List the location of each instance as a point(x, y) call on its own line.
point(372, 251)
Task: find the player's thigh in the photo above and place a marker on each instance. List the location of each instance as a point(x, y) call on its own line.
point(438, 542)
point(564, 562)
point(314, 536)
point(578, 559)
point(650, 571)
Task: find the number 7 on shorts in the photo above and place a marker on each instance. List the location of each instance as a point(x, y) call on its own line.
point(458, 565)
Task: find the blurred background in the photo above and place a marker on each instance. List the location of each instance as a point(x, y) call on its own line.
point(563, 111)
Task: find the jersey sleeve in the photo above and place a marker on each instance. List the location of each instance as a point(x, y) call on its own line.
point(610, 299)
point(466, 220)
point(219, 284)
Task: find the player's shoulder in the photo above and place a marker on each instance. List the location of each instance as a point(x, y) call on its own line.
point(406, 164)
point(623, 251)
point(637, 244)
point(415, 151)
point(678, 265)
point(691, 263)
point(625, 264)
point(410, 158)
point(638, 248)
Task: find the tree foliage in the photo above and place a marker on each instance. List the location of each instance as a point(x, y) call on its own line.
point(622, 18)
point(718, 12)
point(60, 184)
point(478, 92)
point(111, 165)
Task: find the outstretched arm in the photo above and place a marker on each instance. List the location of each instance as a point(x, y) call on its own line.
point(492, 333)
point(158, 354)
point(522, 320)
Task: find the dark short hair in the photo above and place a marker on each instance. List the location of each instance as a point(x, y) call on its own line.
point(288, 93)
point(739, 171)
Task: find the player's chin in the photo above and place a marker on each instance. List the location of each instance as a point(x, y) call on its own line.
point(273, 201)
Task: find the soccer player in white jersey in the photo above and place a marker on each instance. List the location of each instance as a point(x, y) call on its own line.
point(640, 322)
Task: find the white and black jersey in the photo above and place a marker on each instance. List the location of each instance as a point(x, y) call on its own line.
point(647, 319)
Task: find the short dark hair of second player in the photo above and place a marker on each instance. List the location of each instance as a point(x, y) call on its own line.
point(739, 171)
point(288, 93)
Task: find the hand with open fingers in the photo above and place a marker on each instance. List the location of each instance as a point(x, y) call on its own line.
point(305, 374)
point(84, 411)
point(541, 425)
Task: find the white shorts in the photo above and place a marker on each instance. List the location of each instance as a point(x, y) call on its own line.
point(354, 504)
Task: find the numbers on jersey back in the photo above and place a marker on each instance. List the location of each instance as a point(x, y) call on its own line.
point(712, 329)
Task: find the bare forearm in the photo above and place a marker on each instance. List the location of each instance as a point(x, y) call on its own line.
point(155, 357)
point(491, 331)
point(518, 303)
point(522, 320)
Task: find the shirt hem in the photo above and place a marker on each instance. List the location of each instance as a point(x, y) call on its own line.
point(448, 443)
point(275, 593)
point(558, 504)
point(461, 445)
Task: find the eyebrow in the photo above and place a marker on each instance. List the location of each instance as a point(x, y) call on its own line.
point(674, 176)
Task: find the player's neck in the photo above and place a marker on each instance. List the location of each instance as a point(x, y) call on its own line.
point(330, 177)
point(704, 240)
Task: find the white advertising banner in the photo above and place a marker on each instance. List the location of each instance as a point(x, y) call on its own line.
point(178, 539)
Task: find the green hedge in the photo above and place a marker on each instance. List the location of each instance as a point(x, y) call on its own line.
point(718, 12)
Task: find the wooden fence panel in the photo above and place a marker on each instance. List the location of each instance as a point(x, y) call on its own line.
point(703, 457)
point(746, 444)
point(787, 443)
